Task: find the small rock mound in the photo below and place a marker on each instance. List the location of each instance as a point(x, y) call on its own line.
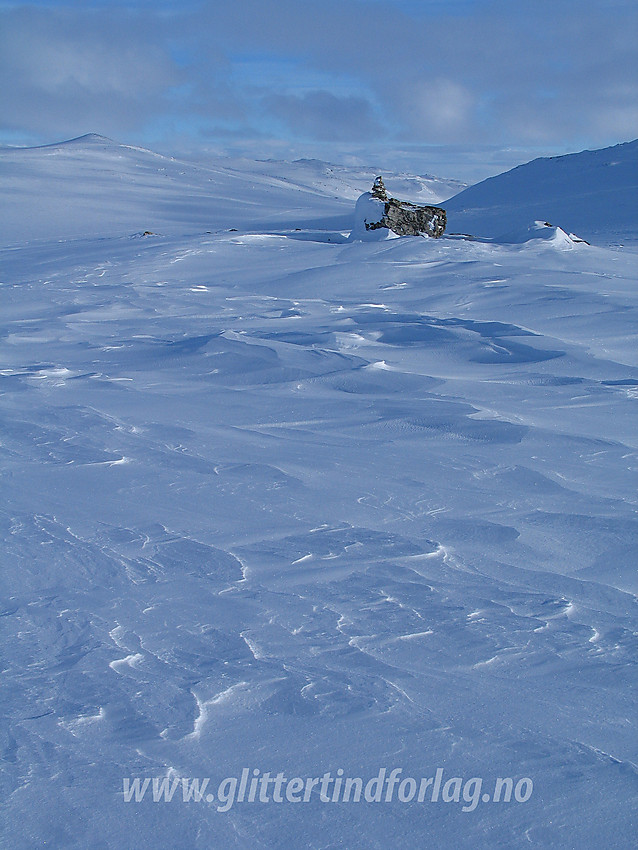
point(377, 214)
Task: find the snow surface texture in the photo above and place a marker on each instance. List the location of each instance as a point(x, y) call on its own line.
point(278, 501)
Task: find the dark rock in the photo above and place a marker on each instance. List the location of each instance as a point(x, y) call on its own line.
point(405, 218)
point(408, 219)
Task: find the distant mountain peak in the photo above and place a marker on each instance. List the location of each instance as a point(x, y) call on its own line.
point(90, 137)
point(76, 142)
point(92, 143)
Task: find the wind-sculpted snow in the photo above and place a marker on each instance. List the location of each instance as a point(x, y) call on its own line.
point(291, 505)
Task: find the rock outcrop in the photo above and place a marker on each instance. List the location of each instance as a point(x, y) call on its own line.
point(401, 217)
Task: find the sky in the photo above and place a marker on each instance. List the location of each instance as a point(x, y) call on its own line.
point(457, 88)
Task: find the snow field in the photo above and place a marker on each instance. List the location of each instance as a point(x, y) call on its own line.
point(284, 503)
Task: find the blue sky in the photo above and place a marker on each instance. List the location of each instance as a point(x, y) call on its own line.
point(455, 87)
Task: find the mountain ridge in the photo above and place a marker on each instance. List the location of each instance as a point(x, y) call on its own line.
point(577, 192)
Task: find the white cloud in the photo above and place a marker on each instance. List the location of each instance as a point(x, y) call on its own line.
point(323, 115)
point(62, 72)
point(492, 73)
point(440, 109)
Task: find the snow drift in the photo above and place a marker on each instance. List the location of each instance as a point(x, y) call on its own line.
point(278, 503)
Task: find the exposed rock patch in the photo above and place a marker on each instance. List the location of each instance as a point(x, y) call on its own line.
point(375, 210)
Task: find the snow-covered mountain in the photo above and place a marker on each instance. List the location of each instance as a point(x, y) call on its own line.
point(593, 194)
point(351, 181)
point(93, 186)
point(279, 503)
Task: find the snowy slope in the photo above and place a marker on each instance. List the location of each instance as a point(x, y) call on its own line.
point(351, 181)
point(93, 186)
point(593, 194)
point(277, 503)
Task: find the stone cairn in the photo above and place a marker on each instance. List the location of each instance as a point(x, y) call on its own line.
point(405, 218)
point(378, 190)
